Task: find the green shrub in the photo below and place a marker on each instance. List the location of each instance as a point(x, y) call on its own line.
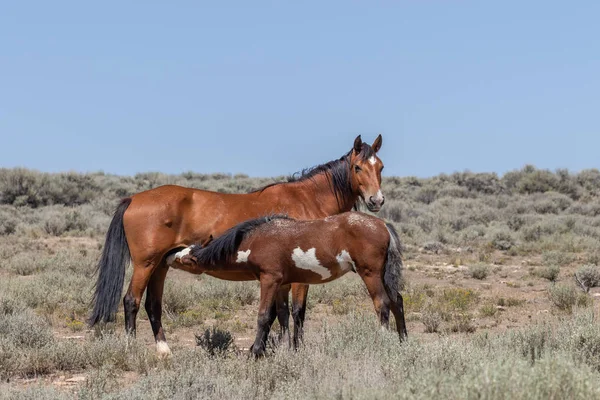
point(502, 240)
point(565, 296)
point(8, 224)
point(488, 310)
point(558, 258)
point(462, 323)
point(457, 298)
point(22, 187)
point(551, 272)
point(432, 320)
point(25, 330)
point(479, 271)
point(588, 276)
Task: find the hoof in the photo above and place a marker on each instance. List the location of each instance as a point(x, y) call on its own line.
point(257, 352)
point(163, 350)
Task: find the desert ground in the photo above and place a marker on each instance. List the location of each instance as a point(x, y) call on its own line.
point(501, 297)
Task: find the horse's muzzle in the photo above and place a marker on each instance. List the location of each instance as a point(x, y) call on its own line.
point(376, 202)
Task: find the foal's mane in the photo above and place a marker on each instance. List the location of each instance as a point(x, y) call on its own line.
point(226, 245)
point(336, 171)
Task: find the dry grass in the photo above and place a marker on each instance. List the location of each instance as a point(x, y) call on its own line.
point(51, 230)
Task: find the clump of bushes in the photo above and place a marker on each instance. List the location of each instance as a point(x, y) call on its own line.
point(23, 187)
point(462, 323)
point(479, 271)
point(588, 276)
point(488, 310)
point(215, 341)
point(559, 258)
point(565, 297)
point(550, 272)
point(502, 240)
point(458, 298)
point(432, 320)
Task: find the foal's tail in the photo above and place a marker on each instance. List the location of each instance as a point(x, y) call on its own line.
point(392, 276)
point(111, 269)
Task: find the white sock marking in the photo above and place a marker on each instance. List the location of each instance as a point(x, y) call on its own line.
point(162, 348)
point(308, 260)
point(243, 256)
point(346, 262)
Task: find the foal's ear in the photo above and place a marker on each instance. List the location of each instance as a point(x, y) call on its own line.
point(358, 144)
point(377, 144)
point(207, 241)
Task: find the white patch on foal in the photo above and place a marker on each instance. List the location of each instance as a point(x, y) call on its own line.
point(372, 160)
point(178, 256)
point(243, 256)
point(162, 348)
point(308, 260)
point(346, 262)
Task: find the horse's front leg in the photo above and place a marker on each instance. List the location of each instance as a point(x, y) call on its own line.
point(269, 285)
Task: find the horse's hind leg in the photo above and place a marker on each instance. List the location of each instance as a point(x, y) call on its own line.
point(153, 306)
point(299, 296)
point(398, 311)
point(283, 312)
point(133, 297)
point(269, 286)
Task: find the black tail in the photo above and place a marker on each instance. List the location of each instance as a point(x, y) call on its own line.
point(226, 245)
point(111, 269)
point(392, 275)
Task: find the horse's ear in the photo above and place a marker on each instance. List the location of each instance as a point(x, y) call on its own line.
point(358, 144)
point(377, 144)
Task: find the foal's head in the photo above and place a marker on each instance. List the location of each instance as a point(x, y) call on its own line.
point(365, 172)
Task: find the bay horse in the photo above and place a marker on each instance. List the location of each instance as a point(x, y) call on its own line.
point(149, 226)
point(277, 250)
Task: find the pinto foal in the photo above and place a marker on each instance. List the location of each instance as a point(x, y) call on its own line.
point(278, 250)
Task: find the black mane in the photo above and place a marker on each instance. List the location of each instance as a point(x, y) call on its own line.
point(226, 245)
point(336, 171)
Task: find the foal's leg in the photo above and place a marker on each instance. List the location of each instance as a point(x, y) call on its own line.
point(283, 311)
point(381, 301)
point(153, 305)
point(131, 302)
point(266, 312)
point(299, 296)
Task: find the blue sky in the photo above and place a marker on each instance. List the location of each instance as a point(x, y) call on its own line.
point(268, 88)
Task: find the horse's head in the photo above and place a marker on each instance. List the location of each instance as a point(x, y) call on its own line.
point(365, 172)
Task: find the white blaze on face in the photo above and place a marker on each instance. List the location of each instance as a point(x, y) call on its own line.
point(378, 196)
point(178, 256)
point(308, 261)
point(346, 262)
point(242, 256)
point(372, 160)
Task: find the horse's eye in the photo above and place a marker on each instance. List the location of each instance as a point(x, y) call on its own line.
point(357, 169)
